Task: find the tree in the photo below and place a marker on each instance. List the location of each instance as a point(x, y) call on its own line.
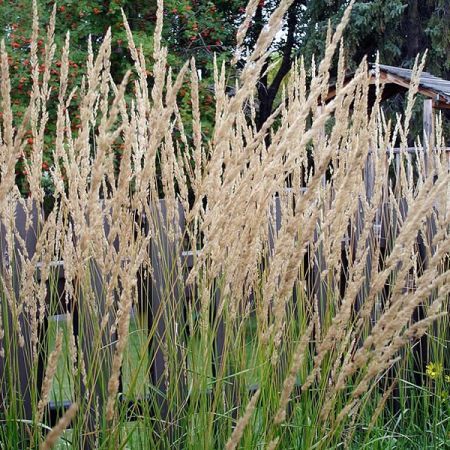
point(191, 28)
point(398, 29)
point(285, 47)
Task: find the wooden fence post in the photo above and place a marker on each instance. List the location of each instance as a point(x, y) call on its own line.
point(167, 301)
point(90, 308)
point(17, 357)
point(428, 134)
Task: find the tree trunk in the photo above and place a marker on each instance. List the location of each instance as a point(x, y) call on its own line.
point(267, 93)
point(414, 30)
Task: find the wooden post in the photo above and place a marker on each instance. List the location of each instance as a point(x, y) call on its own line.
point(428, 133)
point(167, 308)
point(369, 175)
point(17, 357)
point(321, 137)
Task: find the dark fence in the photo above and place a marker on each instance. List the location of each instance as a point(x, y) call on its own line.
point(163, 252)
point(161, 295)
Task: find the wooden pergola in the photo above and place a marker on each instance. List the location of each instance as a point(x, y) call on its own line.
point(397, 80)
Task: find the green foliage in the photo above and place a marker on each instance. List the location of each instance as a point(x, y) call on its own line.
point(191, 29)
point(398, 29)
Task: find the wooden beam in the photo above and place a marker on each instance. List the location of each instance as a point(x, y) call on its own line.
point(389, 78)
point(441, 105)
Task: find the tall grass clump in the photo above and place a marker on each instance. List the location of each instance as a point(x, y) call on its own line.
point(282, 287)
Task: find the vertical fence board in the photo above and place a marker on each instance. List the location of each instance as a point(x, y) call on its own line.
point(9, 259)
point(167, 295)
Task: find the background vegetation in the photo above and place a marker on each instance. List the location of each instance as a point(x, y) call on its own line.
point(397, 29)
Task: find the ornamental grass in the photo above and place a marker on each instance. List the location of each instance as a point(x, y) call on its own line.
point(283, 287)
